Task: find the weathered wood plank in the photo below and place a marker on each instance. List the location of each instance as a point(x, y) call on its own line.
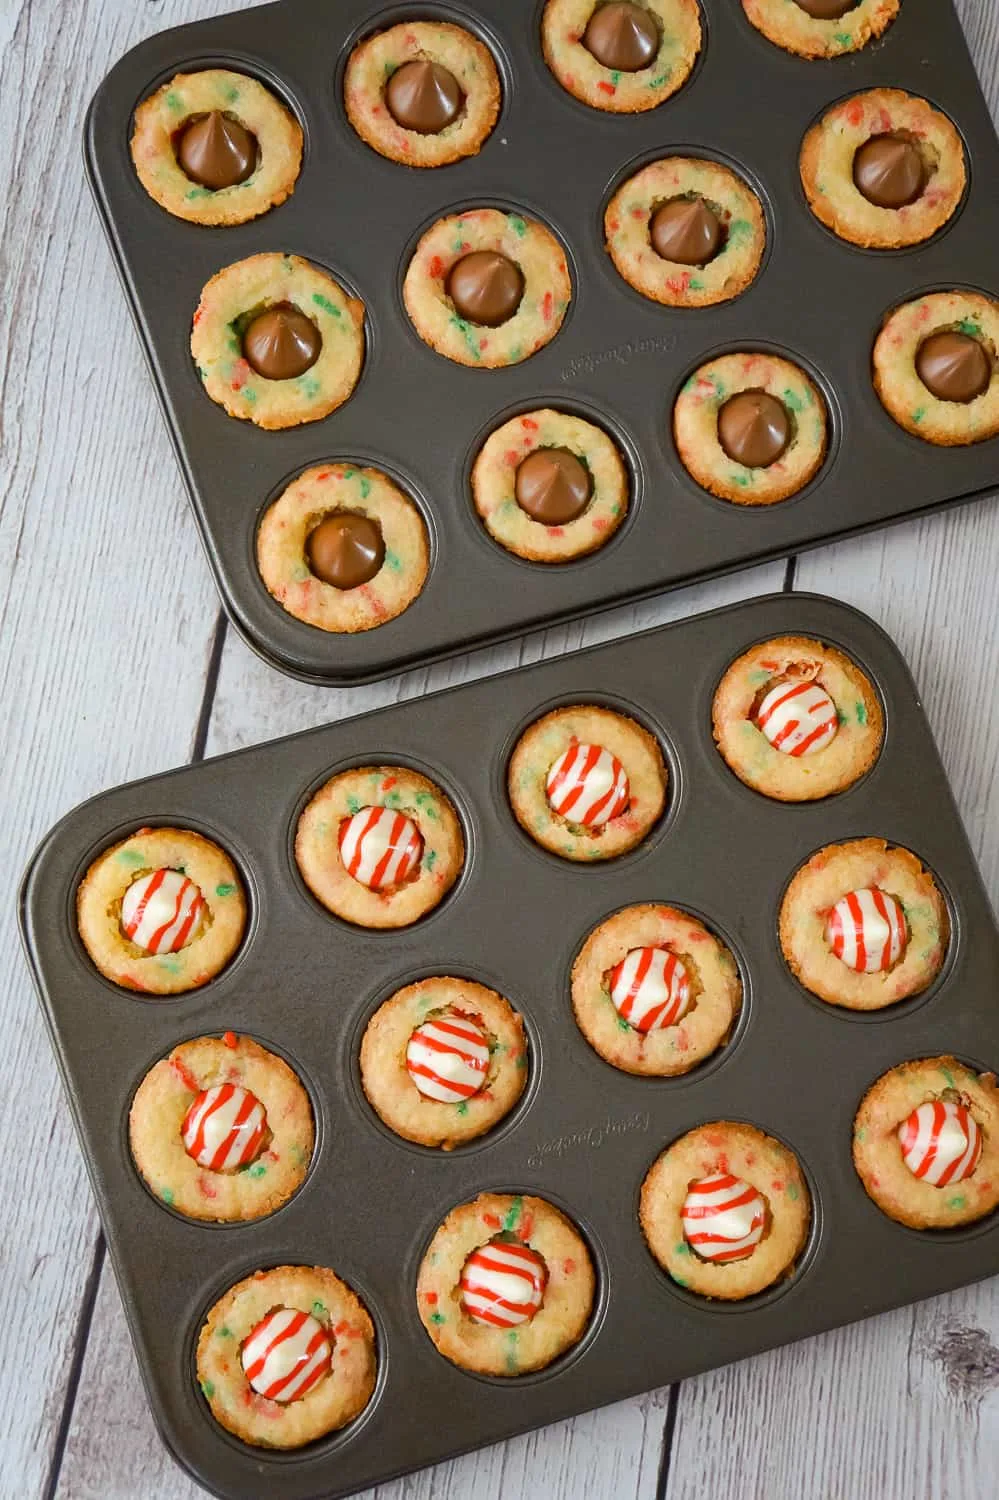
point(96, 595)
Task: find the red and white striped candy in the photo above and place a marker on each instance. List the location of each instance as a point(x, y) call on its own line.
point(286, 1354)
point(941, 1142)
point(379, 847)
point(798, 717)
point(224, 1127)
point(723, 1217)
point(866, 929)
point(588, 785)
point(160, 911)
point(650, 988)
point(503, 1284)
point(447, 1058)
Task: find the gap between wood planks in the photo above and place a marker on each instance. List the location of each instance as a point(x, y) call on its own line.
point(86, 1318)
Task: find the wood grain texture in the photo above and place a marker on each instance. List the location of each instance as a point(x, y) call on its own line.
point(106, 615)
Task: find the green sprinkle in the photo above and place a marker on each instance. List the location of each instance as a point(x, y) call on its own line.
point(131, 857)
point(436, 1317)
point(682, 1248)
point(794, 401)
point(166, 1194)
point(522, 1062)
point(208, 1388)
point(249, 393)
point(462, 1108)
point(842, 38)
point(742, 479)
point(349, 473)
point(365, 487)
point(430, 859)
point(232, 93)
point(258, 1169)
point(517, 225)
point(657, 83)
point(919, 414)
point(225, 889)
point(792, 1192)
point(680, 1280)
point(958, 1202)
point(309, 386)
point(393, 561)
point(511, 1353)
point(969, 326)
point(427, 802)
point(174, 101)
point(353, 805)
point(949, 1077)
point(516, 354)
point(860, 1134)
point(466, 332)
point(695, 284)
point(224, 1332)
point(198, 192)
point(511, 1220)
point(319, 1309)
point(739, 229)
point(622, 1024)
point(326, 305)
point(615, 77)
point(390, 68)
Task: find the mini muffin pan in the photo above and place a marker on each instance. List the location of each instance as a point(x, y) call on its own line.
point(584, 1135)
point(619, 359)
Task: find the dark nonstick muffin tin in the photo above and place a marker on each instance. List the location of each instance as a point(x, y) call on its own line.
point(585, 1134)
point(619, 359)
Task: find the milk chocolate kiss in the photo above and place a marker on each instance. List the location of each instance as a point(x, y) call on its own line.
point(954, 366)
point(281, 343)
point(826, 10)
point(754, 428)
point(485, 287)
point(623, 37)
point(216, 152)
point(686, 230)
point(424, 96)
point(552, 486)
point(346, 550)
point(889, 171)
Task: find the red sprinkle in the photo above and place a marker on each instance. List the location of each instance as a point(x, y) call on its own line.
point(529, 423)
point(855, 113)
point(229, 1038)
point(548, 307)
point(430, 1298)
point(492, 1220)
point(606, 88)
point(436, 267)
point(568, 1266)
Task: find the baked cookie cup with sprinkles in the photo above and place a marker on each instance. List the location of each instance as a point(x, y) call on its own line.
point(864, 925)
point(586, 783)
point(726, 1210)
point(821, 28)
point(935, 367)
point(506, 1285)
point(654, 992)
point(443, 1061)
point(686, 232)
point(162, 911)
point(487, 288)
point(797, 720)
point(883, 169)
point(221, 1129)
point(624, 58)
point(926, 1143)
point(550, 486)
point(287, 1356)
point(423, 93)
point(751, 428)
point(379, 846)
point(216, 147)
point(343, 548)
point(277, 341)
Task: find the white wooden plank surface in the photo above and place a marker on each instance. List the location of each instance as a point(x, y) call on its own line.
point(902, 1406)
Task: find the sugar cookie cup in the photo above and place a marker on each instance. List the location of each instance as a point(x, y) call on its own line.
point(827, 169)
point(897, 381)
point(372, 64)
point(237, 294)
point(494, 486)
point(734, 205)
point(160, 1123)
point(581, 74)
point(791, 27)
point(631, 752)
point(705, 991)
point(906, 888)
point(341, 1393)
point(217, 912)
point(695, 428)
point(547, 287)
point(568, 1285)
point(762, 715)
point(328, 490)
point(160, 119)
point(878, 1152)
point(395, 883)
point(421, 1091)
point(726, 1149)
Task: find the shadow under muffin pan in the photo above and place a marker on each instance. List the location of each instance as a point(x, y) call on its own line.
point(817, 300)
point(585, 1134)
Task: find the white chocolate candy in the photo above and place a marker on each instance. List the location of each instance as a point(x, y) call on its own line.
point(866, 929)
point(447, 1058)
point(723, 1217)
point(161, 911)
point(941, 1142)
point(379, 847)
point(587, 785)
point(224, 1128)
point(798, 717)
point(286, 1354)
point(650, 988)
point(502, 1284)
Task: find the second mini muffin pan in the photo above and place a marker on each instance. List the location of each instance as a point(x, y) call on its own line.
point(583, 1136)
point(619, 359)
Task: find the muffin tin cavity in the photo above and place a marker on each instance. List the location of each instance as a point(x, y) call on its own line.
point(554, 161)
point(583, 1134)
